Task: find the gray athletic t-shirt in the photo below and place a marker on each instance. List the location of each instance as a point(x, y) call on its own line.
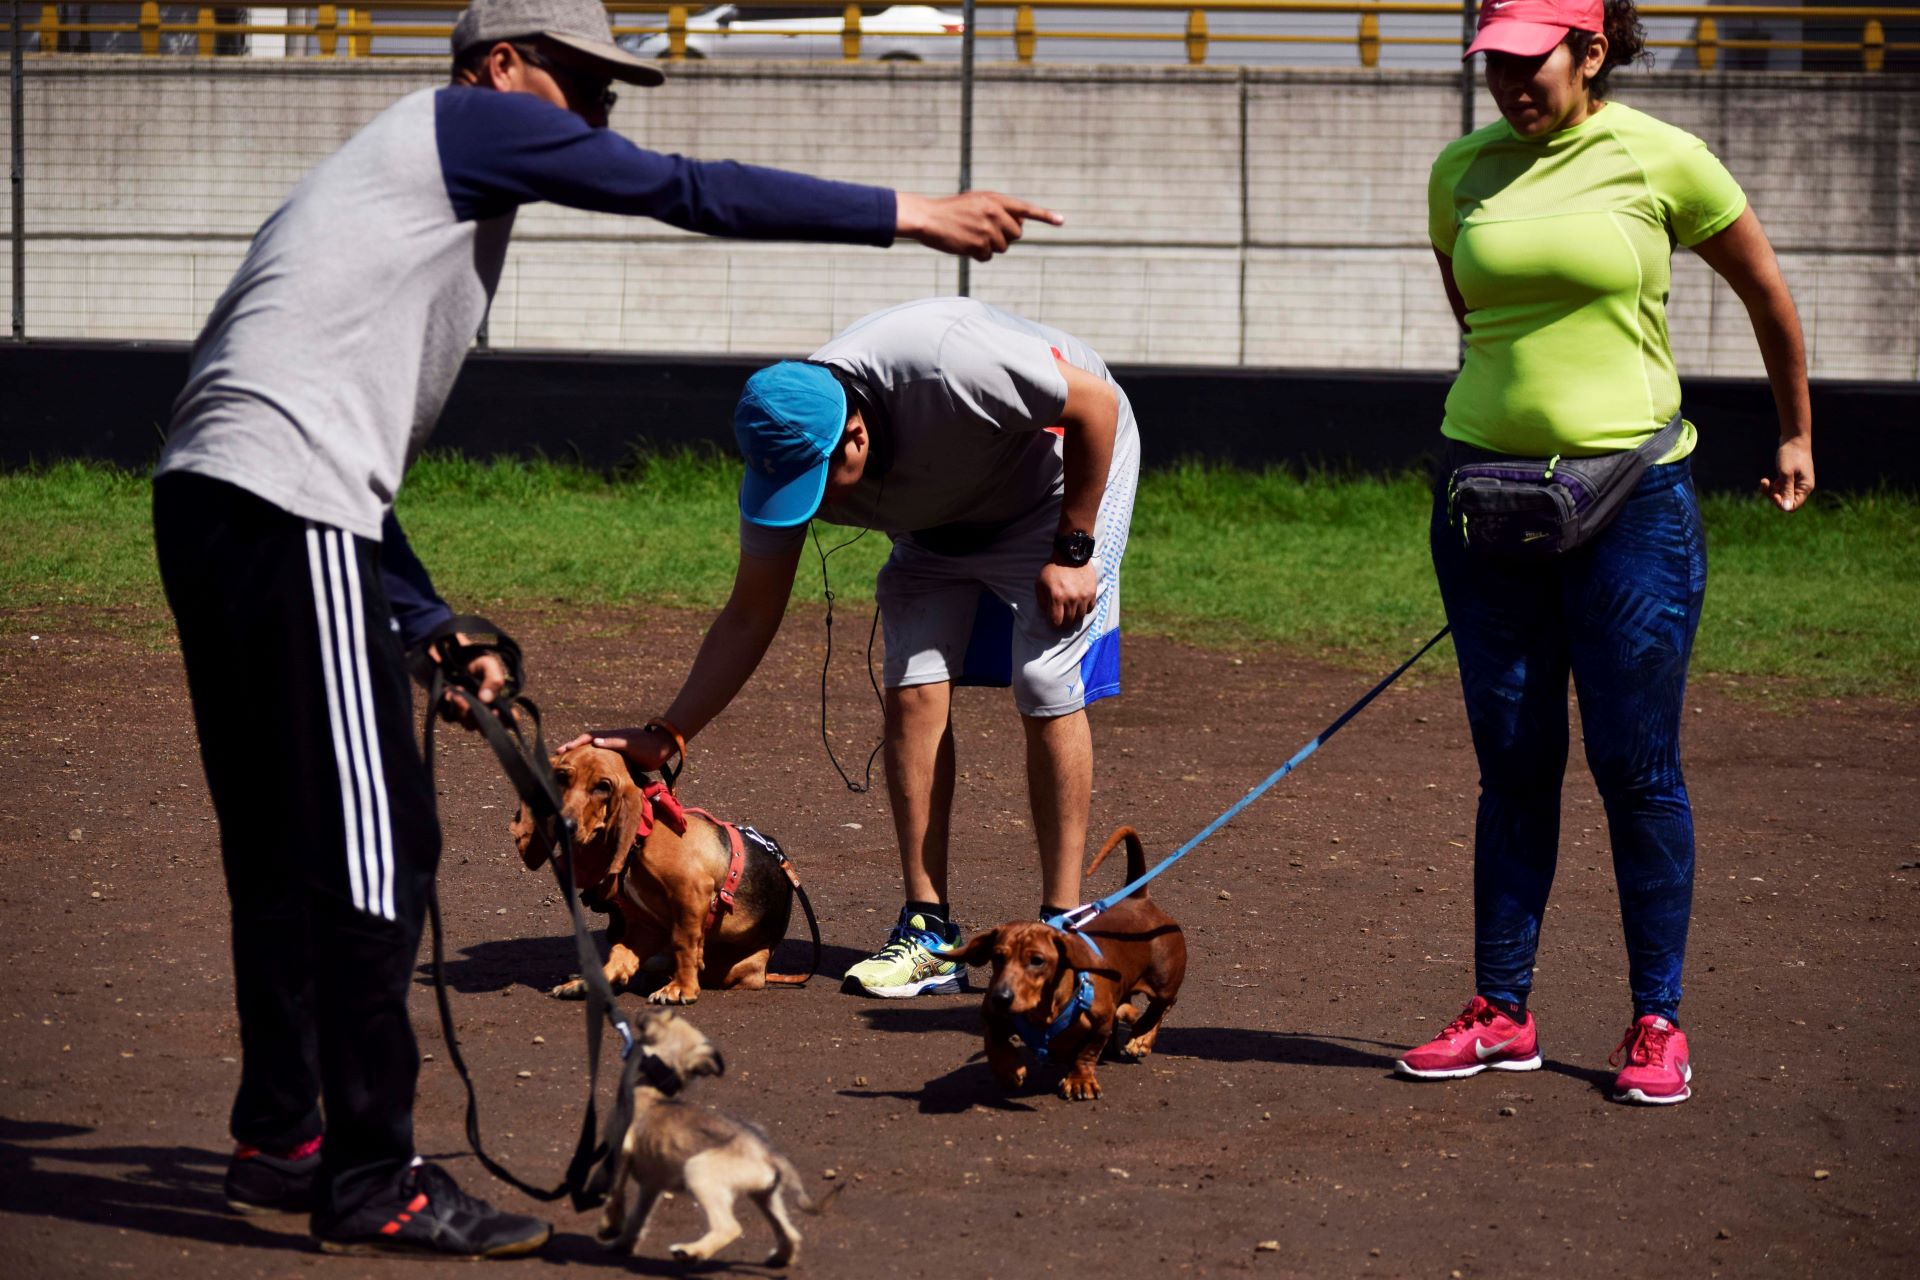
point(969, 393)
point(324, 366)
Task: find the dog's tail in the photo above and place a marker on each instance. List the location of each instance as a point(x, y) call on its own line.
point(1136, 857)
point(790, 1176)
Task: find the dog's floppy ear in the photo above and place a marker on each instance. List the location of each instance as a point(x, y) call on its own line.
point(978, 951)
point(531, 838)
point(626, 814)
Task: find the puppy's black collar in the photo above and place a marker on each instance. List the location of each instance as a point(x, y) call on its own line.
point(658, 1073)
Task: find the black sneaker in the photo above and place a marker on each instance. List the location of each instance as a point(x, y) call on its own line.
point(258, 1182)
point(425, 1212)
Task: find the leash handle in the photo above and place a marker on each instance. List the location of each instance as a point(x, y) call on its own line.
point(1082, 915)
point(450, 647)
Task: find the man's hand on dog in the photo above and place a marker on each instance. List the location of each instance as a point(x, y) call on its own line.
point(646, 750)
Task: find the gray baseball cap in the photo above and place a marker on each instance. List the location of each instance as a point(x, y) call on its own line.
point(581, 25)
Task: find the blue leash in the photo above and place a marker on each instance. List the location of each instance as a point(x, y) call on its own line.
point(1083, 915)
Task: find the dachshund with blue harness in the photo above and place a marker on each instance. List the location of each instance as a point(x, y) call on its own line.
point(1063, 994)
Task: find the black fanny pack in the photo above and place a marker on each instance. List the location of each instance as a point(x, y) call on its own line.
point(1538, 508)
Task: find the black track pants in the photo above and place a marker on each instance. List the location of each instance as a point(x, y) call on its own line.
point(327, 827)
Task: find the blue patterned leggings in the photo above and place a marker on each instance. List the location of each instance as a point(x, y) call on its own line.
point(1618, 614)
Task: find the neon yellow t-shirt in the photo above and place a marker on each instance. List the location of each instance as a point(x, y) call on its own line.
point(1562, 247)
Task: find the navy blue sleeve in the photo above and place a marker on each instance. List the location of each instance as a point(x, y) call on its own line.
point(417, 607)
point(499, 151)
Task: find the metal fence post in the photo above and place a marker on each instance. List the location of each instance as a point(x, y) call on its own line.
point(1468, 20)
point(1246, 205)
point(966, 128)
point(16, 111)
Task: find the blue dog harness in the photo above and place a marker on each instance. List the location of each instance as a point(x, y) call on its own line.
point(1040, 1039)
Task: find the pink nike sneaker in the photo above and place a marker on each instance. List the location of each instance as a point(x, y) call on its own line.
point(1481, 1037)
point(1657, 1070)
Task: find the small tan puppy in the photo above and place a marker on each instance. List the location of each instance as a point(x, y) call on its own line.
point(673, 1146)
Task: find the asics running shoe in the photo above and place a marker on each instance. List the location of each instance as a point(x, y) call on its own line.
point(911, 964)
point(1657, 1071)
point(425, 1212)
point(260, 1182)
point(1482, 1037)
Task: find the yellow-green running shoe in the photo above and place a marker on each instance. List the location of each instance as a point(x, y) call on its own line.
point(908, 965)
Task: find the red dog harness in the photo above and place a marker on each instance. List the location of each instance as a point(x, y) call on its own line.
point(736, 863)
point(657, 801)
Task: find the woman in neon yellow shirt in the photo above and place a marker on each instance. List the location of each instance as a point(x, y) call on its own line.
point(1554, 230)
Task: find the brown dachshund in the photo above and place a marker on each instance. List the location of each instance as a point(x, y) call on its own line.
point(1064, 993)
point(668, 878)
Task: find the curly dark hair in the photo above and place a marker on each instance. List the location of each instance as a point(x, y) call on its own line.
point(1626, 43)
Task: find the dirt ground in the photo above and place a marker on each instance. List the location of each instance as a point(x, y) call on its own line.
point(1329, 928)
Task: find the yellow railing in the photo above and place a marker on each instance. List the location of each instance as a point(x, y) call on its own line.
point(349, 31)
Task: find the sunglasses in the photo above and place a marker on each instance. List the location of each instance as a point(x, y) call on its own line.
point(577, 85)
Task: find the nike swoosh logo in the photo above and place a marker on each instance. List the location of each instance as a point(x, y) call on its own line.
point(1485, 1051)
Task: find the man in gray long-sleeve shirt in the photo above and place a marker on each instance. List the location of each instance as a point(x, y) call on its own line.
point(317, 379)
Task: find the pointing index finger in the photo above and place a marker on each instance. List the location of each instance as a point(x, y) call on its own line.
point(1026, 209)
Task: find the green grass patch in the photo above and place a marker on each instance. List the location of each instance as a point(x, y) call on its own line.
point(1824, 603)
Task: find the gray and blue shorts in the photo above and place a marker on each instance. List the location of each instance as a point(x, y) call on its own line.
point(972, 618)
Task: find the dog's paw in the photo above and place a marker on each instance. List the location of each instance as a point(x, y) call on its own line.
point(1137, 1048)
point(687, 1252)
point(574, 990)
point(783, 1257)
point(674, 993)
point(1078, 1088)
point(608, 1231)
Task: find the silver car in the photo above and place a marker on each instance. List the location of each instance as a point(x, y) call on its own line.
point(898, 33)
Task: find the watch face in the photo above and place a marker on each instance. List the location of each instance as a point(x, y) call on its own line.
point(1075, 548)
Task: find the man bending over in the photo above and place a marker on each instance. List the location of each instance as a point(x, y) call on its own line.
point(1001, 457)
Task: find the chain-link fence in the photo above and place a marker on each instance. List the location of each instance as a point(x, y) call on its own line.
point(1216, 215)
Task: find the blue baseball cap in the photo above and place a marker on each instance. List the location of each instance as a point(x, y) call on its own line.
point(788, 422)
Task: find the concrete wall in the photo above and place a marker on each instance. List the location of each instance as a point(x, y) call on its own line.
point(1266, 218)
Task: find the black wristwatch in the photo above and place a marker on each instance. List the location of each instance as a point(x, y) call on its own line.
point(1073, 548)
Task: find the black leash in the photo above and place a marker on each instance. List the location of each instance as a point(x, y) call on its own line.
point(826, 664)
point(806, 904)
point(511, 726)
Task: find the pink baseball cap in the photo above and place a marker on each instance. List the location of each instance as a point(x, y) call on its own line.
point(1530, 28)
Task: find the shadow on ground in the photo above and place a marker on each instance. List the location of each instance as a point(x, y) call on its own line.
point(541, 964)
point(176, 1192)
point(157, 1190)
